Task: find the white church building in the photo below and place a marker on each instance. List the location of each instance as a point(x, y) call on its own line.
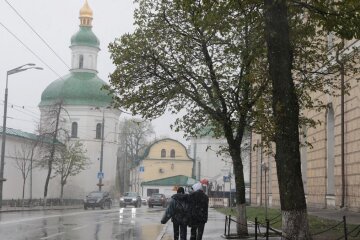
point(85, 112)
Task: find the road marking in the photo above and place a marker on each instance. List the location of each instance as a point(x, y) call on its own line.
point(54, 235)
point(78, 228)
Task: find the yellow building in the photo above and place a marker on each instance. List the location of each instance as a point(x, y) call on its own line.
point(163, 159)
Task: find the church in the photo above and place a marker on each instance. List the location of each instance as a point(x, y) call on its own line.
point(85, 115)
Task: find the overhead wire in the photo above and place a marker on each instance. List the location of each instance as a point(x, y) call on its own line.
point(37, 34)
point(29, 49)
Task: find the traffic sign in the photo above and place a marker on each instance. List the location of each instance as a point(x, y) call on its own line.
point(100, 175)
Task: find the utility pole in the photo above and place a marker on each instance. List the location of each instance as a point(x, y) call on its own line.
point(100, 184)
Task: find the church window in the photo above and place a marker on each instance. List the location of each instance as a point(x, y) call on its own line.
point(98, 131)
point(163, 153)
point(81, 61)
point(172, 153)
point(74, 129)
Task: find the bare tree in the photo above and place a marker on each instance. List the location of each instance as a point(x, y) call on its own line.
point(24, 156)
point(133, 140)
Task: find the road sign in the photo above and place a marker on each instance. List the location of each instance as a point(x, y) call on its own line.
point(226, 178)
point(100, 175)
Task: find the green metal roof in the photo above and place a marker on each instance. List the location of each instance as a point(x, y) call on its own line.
point(179, 180)
point(77, 88)
point(85, 37)
point(25, 135)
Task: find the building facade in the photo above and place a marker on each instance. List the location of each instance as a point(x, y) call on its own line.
point(163, 159)
point(331, 165)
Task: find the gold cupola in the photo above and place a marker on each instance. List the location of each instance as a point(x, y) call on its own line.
point(86, 15)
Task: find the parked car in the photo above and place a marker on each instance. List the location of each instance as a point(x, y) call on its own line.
point(97, 199)
point(144, 201)
point(157, 199)
point(130, 198)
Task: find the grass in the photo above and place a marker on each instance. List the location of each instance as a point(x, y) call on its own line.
point(318, 226)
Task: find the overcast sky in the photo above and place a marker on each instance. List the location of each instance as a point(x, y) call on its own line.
point(55, 21)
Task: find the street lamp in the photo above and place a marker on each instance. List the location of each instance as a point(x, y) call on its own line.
point(10, 72)
point(265, 168)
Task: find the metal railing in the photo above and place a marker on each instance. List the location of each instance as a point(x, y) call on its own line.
point(272, 232)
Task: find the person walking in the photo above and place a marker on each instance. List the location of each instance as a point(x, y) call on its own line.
point(198, 203)
point(178, 210)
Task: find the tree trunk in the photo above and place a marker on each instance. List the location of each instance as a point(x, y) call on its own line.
point(62, 192)
point(286, 110)
point(52, 154)
point(23, 192)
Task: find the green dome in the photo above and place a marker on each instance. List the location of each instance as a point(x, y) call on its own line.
point(77, 88)
point(85, 37)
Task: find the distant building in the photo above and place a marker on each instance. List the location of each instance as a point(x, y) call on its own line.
point(218, 169)
point(163, 159)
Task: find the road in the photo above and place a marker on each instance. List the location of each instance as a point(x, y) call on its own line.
point(116, 223)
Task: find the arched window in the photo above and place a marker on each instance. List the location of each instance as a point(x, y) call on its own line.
point(74, 129)
point(330, 135)
point(98, 131)
point(163, 153)
point(172, 153)
point(81, 61)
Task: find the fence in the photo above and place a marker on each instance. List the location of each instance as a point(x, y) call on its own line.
point(271, 232)
point(50, 202)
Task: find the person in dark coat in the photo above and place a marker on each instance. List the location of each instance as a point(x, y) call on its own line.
point(199, 203)
point(178, 210)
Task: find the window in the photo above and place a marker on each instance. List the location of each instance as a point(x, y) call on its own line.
point(74, 129)
point(330, 154)
point(98, 131)
point(172, 153)
point(81, 61)
point(163, 153)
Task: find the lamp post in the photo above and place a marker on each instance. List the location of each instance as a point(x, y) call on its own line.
point(265, 168)
point(10, 72)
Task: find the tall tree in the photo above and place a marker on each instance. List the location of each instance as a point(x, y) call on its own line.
point(204, 57)
point(134, 134)
point(49, 130)
point(72, 160)
point(288, 95)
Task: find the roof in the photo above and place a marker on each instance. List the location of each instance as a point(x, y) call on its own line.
point(77, 88)
point(21, 134)
point(85, 37)
point(179, 180)
point(147, 150)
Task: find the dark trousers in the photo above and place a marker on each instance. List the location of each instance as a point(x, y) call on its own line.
point(197, 232)
point(183, 231)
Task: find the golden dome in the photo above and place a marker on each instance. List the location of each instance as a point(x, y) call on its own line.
point(86, 11)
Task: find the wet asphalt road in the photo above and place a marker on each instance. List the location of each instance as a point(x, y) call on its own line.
point(116, 223)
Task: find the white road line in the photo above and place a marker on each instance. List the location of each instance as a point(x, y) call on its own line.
point(78, 228)
point(54, 235)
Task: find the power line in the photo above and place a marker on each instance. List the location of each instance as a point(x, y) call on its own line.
point(29, 49)
point(41, 38)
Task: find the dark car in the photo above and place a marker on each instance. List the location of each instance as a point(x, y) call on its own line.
point(157, 199)
point(130, 198)
point(97, 199)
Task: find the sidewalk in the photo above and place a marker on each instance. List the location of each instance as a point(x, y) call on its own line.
point(214, 228)
point(37, 208)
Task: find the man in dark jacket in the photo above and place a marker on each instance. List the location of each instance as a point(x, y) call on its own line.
point(199, 203)
point(178, 212)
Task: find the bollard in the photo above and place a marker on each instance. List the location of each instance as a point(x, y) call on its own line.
point(229, 225)
point(256, 223)
point(225, 225)
point(345, 230)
